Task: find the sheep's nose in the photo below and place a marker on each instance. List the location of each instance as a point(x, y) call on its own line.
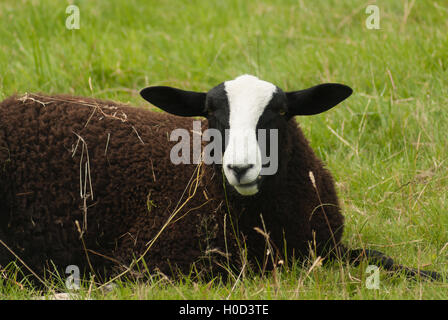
point(239, 170)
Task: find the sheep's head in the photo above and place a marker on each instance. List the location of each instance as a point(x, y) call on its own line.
point(238, 109)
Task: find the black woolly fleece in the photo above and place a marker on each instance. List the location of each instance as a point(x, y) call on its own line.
point(56, 150)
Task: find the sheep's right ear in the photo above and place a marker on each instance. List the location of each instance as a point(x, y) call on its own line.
point(175, 101)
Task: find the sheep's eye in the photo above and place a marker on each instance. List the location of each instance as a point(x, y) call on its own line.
point(282, 112)
point(209, 112)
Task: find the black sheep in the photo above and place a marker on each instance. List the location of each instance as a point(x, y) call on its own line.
point(91, 183)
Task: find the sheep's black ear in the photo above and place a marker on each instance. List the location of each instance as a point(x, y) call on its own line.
point(316, 99)
point(176, 101)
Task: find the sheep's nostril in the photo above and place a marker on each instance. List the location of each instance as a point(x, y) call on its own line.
point(240, 170)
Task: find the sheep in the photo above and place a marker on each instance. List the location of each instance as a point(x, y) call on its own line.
point(92, 183)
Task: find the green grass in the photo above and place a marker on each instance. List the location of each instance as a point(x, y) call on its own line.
point(386, 145)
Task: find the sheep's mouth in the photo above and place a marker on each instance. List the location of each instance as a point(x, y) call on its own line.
point(248, 189)
point(250, 184)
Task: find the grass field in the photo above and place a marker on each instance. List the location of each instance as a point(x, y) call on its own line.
point(386, 145)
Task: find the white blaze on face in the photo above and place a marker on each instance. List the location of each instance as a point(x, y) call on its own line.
point(248, 97)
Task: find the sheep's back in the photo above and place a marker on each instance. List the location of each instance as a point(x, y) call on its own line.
point(70, 162)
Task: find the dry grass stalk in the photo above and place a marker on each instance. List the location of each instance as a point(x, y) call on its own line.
point(87, 178)
point(24, 264)
point(192, 188)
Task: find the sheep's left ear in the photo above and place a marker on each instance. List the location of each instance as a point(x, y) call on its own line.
point(175, 101)
point(316, 99)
